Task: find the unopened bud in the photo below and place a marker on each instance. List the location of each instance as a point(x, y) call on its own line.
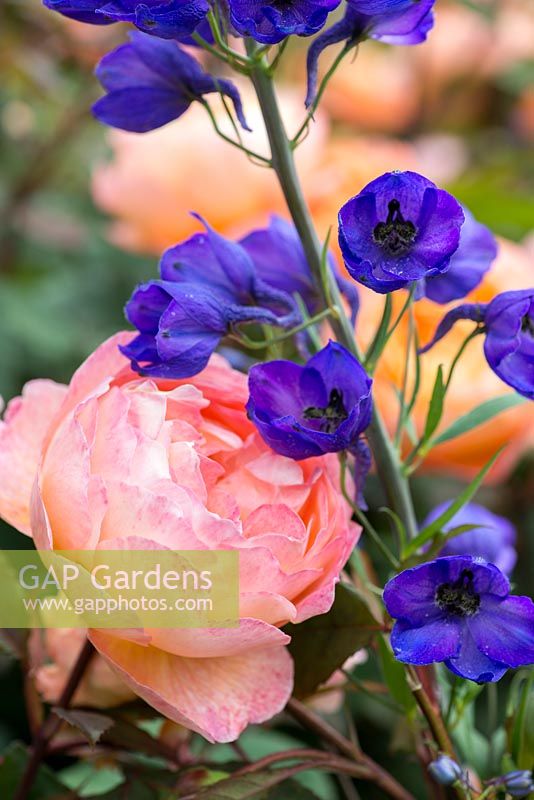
point(518, 783)
point(446, 771)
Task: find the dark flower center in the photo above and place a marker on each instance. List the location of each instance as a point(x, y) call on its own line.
point(396, 234)
point(332, 415)
point(527, 325)
point(459, 598)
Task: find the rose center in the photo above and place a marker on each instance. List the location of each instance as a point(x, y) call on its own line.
point(459, 598)
point(332, 415)
point(396, 234)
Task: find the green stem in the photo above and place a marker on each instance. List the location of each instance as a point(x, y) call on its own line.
point(362, 519)
point(295, 141)
point(386, 458)
point(250, 153)
point(261, 345)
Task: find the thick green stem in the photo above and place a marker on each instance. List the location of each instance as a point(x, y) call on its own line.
point(386, 457)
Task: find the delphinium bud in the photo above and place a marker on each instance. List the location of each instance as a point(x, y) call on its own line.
point(446, 771)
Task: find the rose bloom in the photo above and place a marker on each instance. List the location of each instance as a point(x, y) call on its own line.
point(116, 461)
point(473, 381)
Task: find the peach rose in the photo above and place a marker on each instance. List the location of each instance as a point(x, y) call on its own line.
point(120, 462)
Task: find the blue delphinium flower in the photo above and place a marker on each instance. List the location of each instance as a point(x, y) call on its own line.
point(153, 81)
point(508, 324)
point(269, 23)
point(281, 262)
point(208, 286)
point(492, 540)
point(399, 229)
point(460, 611)
point(305, 411)
point(400, 22)
point(168, 19)
point(476, 252)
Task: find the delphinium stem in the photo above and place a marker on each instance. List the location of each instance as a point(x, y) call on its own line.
point(386, 457)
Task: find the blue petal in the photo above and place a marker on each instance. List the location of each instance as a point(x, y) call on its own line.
point(504, 631)
point(473, 311)
point(436, 639)
point(471, 663)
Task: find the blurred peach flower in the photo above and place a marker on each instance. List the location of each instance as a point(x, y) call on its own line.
point(376, 91)
point(54, 652)
point(116, 461)
point(473, 382)
point(156, 179)
point(149, 188)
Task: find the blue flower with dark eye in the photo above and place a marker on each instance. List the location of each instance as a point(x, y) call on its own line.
point(493, 538)
point(468, 265)
point(305, 411)
point(402, 22)
point(153, 81)
point(508, 323)
point(400, 229)
point(168, 19)
point(281, 262)
point(208, 287)
point(269, 23)
point(460, 611)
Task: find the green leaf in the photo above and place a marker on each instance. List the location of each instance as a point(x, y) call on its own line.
point(463, 498)
point(245, 787)
point(479, 415)
point(395, 677)
point(291, 789)
point(90, 724)
point(521, 725)
point(321, 645)
point(435, 409)
point(130, 737)
point(259, 741)
point(12, 765)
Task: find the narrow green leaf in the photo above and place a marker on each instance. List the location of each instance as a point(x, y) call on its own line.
point(435, 409)
point(395, 677)
point(321, 645)
point(463, 498)
point(479, 415)
point(521, 726)
point(90, 724)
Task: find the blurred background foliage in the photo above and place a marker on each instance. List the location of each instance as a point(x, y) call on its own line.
point(464, 105)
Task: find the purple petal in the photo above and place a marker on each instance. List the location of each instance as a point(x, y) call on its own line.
point(139, 110)
point(471, 663)
point(468, 265)
point(435, 640)
point(473, 311)
point(504, 631)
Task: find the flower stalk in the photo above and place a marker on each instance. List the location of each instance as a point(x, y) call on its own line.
point(386, 457)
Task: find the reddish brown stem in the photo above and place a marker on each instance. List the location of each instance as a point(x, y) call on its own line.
point(53, 723)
